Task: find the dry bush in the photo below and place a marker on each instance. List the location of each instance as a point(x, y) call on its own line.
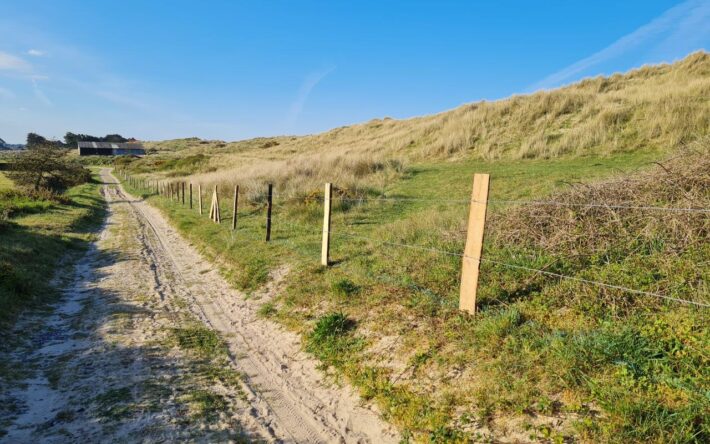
point(570, 227)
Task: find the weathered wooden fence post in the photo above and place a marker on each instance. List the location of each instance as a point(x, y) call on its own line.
point(325, 250)
point(471, 262)
point(190, 195)
point(183, 193)
point(234, 207)
point(268, 212)
point(199, 196)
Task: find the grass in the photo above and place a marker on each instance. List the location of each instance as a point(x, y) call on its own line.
point(199, 339)
point(115, 404)
point(538, 347)
point(205, 404)
point(651, 108)
point(36, 234)
point(545, 358)
point(5, 183)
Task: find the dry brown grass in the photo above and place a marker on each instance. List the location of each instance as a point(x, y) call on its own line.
point(654, 107)
point(569, 227)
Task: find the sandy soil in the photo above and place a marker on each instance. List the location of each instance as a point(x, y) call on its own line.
point(102, 367)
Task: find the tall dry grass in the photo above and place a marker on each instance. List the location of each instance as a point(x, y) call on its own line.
point(654, 107)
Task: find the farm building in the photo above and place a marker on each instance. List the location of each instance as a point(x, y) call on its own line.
point(110, 149)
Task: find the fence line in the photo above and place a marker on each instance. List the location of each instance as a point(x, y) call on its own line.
point(615, 206)
point(327, 231)
point(520, 267)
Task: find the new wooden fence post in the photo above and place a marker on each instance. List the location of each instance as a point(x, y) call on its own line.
point(471, 262)
point(183, 193)
point(190, 195)
point(218, 216)
point(325, 250)
point(199, 196)
point(234, 207)
point(214, 209)
point(268, 212)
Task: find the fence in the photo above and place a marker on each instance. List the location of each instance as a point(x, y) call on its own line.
point(471, 256)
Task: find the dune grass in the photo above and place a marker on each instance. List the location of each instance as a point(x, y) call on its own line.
point(654, 108)
point(37, 235)
point(544, 359)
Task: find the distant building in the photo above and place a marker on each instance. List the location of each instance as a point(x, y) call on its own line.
point(110, 149)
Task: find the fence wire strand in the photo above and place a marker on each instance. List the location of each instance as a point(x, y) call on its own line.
point(293, 227)
point(535, 270)
point(614, 206)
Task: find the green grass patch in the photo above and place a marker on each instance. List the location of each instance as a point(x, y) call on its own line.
point(115, 404)
point(204, 404)
point(613, 366)
point(199, 339)
point(35, 236)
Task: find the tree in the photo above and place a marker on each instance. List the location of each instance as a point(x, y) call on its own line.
point(45, 167)
point(115, 138)
point(34, 139)
point(72, 140)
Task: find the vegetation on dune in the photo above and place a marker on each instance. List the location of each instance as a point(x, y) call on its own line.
point(545, 358)
point(652, 108)
point(46, 168)
point(40, 222)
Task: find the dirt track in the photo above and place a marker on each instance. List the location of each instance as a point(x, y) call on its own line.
point(99, 367)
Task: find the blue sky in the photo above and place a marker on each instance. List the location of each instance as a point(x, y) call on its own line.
point(234, 69)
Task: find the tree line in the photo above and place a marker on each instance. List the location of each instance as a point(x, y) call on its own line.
point(71, 140)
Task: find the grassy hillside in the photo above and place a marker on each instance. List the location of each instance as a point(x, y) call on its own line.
point(545, 359)
point(36, 233)
point(652, 108)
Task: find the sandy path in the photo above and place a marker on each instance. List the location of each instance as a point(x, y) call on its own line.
point(281, 396)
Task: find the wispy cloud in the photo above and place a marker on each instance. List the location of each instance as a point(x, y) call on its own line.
point(679, 27)
point(9, 62)
point(310, 82)
point(36, 52)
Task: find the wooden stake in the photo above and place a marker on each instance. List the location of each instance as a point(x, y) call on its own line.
point(234, 207)
point(212, 207)
point(470, 265)
point(218, 216)
point(190, 195)
point(325, 250)
point(199, 196)
point(268, 213)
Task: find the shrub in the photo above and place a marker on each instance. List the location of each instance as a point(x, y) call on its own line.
point(47, 167)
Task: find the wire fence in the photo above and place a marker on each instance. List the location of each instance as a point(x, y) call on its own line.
point(283, 230)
